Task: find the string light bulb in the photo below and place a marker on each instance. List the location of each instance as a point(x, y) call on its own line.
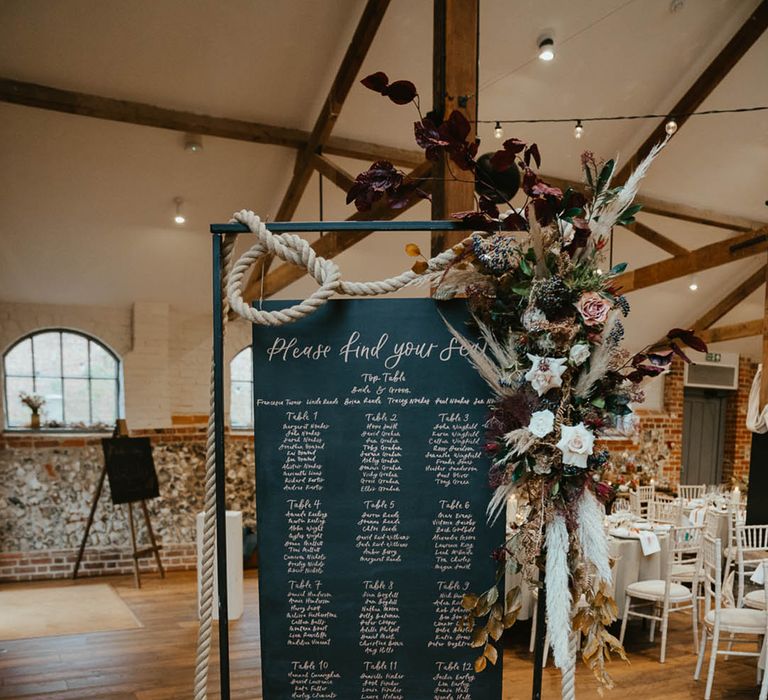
point(694, 284)
point(579, 130)
point(546, 48)
point(179, 218)
point(670, 127)
point(498, 131)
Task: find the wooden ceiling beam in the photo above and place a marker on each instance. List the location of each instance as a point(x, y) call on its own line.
point(331, 109)
point(703, 86)
point(454, 87)
point(333, 172)
point(734, 331)
point(671, 210)
point(742, 246)
point(142, 114)
point(657, 239)
point(333, 243)
point(731, 300)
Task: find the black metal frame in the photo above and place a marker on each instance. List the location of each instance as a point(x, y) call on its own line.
point(218, 231)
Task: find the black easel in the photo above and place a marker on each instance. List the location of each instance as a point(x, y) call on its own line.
point(121, 430)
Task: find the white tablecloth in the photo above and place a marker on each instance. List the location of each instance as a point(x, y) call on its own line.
point(632, 565)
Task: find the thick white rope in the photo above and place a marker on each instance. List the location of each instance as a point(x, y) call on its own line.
point(209, 521)
point(568, 674)
point(326, 273)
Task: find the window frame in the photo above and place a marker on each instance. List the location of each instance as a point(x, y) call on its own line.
point(64, 428)
point(249, 426)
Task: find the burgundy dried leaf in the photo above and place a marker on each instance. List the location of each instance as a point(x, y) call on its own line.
point(377, 82)
point(463, 154)
point(401, 92)
point(679, 352)
point(689, 338)
point(503, 160)
point(488, 207)
point(513, 145)
point(515, 222)
point(371, 185)
point(475, 220)
point(456, 128)
point(662, 360)
point(532, 152)
point(428, 138)
point(530, 179)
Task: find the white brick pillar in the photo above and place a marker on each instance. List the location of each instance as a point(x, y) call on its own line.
point(146, 368)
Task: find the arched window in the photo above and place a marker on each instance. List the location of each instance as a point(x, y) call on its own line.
point(77, 376)
point(241, 392)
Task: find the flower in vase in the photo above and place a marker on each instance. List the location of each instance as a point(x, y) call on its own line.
point(579, 354)
point(593, 308)
point(576, 443)
point(546, 373)
point(542, 423)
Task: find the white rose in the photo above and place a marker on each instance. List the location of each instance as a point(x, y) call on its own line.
point(546, 373)
point(542, 423)
point(579, 354)
point(576, 443)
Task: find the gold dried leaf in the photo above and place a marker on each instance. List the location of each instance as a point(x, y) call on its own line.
point(490, 653)
point(497, 611)
point(590, 648)
point(458, 249)
point(413, 250)
point(495, 628)
point(512, 597)
point(480, 664)
point(420, 267)
point(469, 601)
point(510, 618)
point(491, 596)
point(479, 637)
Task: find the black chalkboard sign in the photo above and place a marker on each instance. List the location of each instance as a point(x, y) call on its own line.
point(371, 498)
point(130, 469)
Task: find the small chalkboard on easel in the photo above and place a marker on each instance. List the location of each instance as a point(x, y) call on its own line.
point(130, 467)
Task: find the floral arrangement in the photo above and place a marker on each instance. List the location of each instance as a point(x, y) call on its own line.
point(551, 323)
point(33, 401)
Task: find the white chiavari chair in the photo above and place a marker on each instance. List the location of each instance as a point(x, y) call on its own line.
point(665, 511)
point(687, 492)
point(732, 621)
point(751, 550)
point(736, 516)
point(662, 597)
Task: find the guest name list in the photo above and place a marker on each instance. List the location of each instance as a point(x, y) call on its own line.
point(371, 498)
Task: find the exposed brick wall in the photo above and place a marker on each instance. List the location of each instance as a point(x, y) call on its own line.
point(47, 483)
point(97, 561)
point(668, 423)
point(738, 440)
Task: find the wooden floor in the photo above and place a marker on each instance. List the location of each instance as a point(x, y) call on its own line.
point(156, 662)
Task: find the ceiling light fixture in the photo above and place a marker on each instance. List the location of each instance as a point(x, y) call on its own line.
point(694, 285)
point(498, 131)
point(579, 130)
point(179, 218)
point(670, 127)
point(546, 48)
point(193, 143)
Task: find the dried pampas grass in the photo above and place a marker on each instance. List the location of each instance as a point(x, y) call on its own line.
point(559, 601)
point(594, 543)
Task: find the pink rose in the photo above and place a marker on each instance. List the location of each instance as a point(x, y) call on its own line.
point(593, 308)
